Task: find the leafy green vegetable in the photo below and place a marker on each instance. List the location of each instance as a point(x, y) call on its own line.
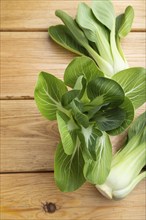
point(96, 32)
point(95, 107)
point(79, 36)
point(89, 107)
point(127, 164)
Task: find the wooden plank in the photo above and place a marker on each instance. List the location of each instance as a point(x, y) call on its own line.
point(28, 141)
point(40, 14)
point(31, 190)
point(24, 55)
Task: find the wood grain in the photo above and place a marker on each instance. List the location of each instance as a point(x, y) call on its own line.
point(40, 14)
point(23, 194)
point(24, 55)
point(28, 141)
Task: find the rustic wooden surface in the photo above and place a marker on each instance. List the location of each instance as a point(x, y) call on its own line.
point(28, 141)
point(23, 195)
point(39, 14)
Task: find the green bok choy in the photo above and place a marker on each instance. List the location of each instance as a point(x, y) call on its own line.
point(88, 108)
point(126, 169)
point(95, 32)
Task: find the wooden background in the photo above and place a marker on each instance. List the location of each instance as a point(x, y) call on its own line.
point(28, 141)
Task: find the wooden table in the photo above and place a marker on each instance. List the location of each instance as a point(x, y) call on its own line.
point(28, 141)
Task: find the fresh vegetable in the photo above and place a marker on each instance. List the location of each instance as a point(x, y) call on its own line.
point(97, 98)
point(126, 169)
point(93, 107)
point(95, 32)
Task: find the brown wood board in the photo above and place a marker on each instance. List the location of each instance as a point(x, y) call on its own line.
point(23, 194)
point(40, 14)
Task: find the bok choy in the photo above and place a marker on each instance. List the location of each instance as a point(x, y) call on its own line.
point(126, 169)
point(95, 32)
point(88, 107)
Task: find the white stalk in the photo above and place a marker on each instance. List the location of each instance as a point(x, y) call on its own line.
point(125, 174)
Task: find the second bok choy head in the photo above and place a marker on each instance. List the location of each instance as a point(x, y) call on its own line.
point(127, 164)
point(88, 107)
point(95, 32)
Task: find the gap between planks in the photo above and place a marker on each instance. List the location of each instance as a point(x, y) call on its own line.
point(27, 172)
point(17, 98)
point(46, 30)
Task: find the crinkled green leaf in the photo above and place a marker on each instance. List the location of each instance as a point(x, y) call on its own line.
point(48, 93)
point(105, 91)
point(61, 35)
point(126, 22)
point(133, 82)
point(104, 12)
point(69, 169)
point(110, 119)
point(81, 66)
point(66, 128)
point(127, 106)
point(97, 171)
